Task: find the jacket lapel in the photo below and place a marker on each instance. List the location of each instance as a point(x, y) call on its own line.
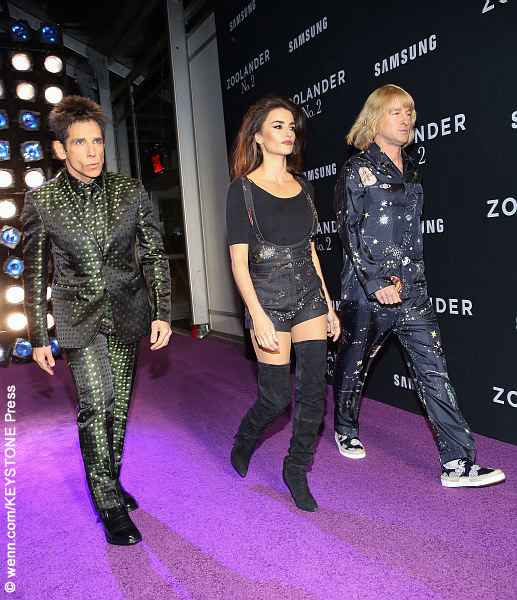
point(117, 192)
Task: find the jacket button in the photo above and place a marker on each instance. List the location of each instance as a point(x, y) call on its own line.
point(289, 265)
point(288, 256)
point(408, 217)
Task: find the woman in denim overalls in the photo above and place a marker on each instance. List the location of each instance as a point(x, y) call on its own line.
point(281, 284)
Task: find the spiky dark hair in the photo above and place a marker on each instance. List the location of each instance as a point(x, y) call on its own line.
point(72, 109)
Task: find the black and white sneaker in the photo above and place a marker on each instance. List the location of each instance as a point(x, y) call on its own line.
point(350, 447)
point(464, 473)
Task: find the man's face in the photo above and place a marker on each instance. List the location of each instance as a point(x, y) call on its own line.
point(395, 127)
point(83, 150)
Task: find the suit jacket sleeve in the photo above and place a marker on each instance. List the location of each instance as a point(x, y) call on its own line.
point(36, 249)
point(153, 259)
point(351, 215)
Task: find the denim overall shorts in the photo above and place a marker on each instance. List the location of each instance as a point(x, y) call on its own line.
point(286, 283)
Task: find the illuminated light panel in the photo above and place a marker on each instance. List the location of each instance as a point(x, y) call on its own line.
point(20, 31)
point(10, 236)
point(31, 151)
point(15, 294)
point(6, 178)
point(22, 348)
point(5, 150)
point(53, 64)
point(49, 34)
point(7, 209)
point(53, 94)
point(34, 178)
point(29, 120)
point(16, 321)
point(21, 61)
point(25, 91)
point(13, 266)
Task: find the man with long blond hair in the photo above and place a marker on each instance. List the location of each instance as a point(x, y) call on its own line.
point(379, 204)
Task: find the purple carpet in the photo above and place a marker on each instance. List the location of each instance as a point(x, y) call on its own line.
point(386, 528)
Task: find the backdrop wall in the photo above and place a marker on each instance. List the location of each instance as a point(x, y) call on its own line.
point(457, 59)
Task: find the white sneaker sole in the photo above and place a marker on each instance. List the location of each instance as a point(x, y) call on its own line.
point(354, 455)
point(496, 477)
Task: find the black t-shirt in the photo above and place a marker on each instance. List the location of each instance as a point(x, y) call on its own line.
point(282, 221)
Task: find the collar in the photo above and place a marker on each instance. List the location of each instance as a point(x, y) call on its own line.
point(79, 186)
point(380, 158)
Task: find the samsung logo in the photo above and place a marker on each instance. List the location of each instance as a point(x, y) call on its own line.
point(245, 12)
point(403, 382)
point(321, 172)
point(432, 226)
point(307, 35)
point(401, 58)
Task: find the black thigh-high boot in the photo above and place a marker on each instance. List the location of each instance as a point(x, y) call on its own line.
point(274, 395)
point(311, 360)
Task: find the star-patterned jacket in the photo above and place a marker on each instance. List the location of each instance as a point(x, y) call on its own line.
point(378, 218)
point(93, 267)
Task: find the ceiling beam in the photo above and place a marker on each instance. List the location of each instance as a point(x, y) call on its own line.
point(125, 38)
point(70, 42)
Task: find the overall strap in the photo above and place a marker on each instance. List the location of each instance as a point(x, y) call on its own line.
point(306, 190)
point(250, 207)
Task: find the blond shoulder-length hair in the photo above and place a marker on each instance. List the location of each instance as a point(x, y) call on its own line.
point(367, 124)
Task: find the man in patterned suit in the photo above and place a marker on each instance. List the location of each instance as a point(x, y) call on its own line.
point(104, 300)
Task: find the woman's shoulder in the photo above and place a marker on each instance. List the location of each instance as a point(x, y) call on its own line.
point(235, 188)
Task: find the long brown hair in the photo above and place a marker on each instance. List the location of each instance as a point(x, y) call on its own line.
point(247, 154)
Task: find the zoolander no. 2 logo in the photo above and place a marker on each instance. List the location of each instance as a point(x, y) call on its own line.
point(245, 76)
point(309, 98)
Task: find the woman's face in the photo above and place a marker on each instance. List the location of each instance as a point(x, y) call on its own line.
point(277, 134)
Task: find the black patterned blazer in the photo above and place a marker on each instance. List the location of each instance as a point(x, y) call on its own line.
point(131, 267)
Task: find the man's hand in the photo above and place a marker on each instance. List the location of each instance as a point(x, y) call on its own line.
point(160, 334)
point(388, 295)
point(333, 325)
point(43, 356)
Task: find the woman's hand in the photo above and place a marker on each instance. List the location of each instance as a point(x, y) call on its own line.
point(265, 333)
point(333, 325)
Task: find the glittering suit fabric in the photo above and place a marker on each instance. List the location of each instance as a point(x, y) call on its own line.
point(103, 373)
point(102, 303)
point(378, 217)
point(284, 277)
point(89, 274)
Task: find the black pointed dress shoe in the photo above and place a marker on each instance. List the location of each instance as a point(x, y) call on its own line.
point(119, 528)
point(127, 498)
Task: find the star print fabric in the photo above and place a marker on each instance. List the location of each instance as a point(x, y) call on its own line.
point(364, 328)
point(378, 217)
